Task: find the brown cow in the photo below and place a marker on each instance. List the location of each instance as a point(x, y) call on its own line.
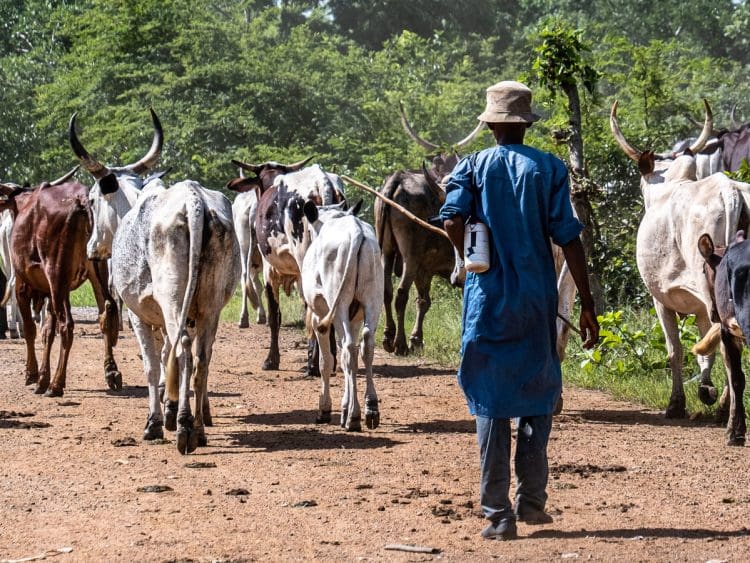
point(52, 224)
point(409, 251)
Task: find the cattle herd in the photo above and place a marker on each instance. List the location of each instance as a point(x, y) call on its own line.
point(174, 256)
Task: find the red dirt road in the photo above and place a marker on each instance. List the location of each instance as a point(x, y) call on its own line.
point(626, 485)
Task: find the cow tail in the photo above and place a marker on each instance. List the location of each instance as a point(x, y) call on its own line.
point(709, 342)
point(10, 283)
point(351, 258)
point(195, 221)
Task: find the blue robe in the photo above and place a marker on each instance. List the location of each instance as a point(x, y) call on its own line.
point(509, 364)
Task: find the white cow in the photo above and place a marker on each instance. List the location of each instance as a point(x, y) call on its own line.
point(342, 283)
point(244, 209)
point(678, 210)
point(176, 263)
point(15, 324)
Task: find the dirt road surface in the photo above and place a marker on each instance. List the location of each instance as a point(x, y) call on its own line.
point(626, 485)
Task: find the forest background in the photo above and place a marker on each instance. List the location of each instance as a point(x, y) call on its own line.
point(282, 80)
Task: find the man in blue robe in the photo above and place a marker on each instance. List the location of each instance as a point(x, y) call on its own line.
point(509, 363)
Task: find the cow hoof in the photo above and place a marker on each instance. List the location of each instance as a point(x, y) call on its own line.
point(388, 345)
point(314, 373)
point(170, 415)
point(53, 392)
point(244, 324)
point(416, 344)
point(114, 380)
point(31, 378)
point(154, 430)
point(324, 417)
point(372, 420)
point(261, 319)
point(41, 387)
point(354, 425)
point(707, 394)
point(401, 350)
point(208, 420)
point(736, 441)
point(270, 364)
point(187, 440)
point(676, 411)
point(344, 414)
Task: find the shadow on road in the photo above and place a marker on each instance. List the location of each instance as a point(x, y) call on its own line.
point(642, 533)
point(631, 416)
point(438, 427)
point(396, 371)
point(308, 439)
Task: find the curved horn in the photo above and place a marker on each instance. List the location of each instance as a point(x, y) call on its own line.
point(626, 147)
point(96, 168)
point(148, 161)
point(66, 177)
point(470, 137)
point(254, 168)
point(708, 130)
point(732, 119)
point(416, 138)
point(299, 164)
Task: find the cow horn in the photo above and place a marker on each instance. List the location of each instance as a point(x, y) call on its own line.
point(65, 177)
point(254, 168)
point(148, 161)
point(7, 189)
point(96, 168)
point(626, 147)
point(708, 130)
point(299, 164)
point(470, 137)
point(410, 131)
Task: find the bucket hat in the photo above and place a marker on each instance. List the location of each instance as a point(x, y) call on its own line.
point(508, 102)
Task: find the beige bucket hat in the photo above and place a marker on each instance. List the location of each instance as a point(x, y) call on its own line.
point(508, 102)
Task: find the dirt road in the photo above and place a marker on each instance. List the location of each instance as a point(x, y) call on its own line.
point(626, 484)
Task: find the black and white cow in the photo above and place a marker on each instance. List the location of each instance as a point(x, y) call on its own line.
point(280, 268)
point(176, 263)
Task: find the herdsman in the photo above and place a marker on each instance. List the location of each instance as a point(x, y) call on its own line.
point(509, 364)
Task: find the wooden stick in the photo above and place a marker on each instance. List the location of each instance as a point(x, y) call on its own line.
point(411, 548)
point(395, 205)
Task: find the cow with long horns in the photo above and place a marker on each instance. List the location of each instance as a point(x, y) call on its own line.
point(679, 208)
point(52, 224)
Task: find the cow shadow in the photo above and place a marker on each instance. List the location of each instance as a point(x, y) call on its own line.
point(634, 416)
point(641, 533)
point(438, 427)
point(408, 371)
point(299, 416)
point(308, 439)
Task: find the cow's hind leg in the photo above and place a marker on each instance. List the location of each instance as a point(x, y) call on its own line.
point(351, 415)
point(244, 316)
point(372, 410)
point(65, 324)
point(274, 323)
point(423, 282)
point(150, 342)
point(109, 320)
point(49, 329)
point(732, 348)
point(707, 393)
point(402, 299)
point(668, 320)
point(389, 332)
point(23, 297)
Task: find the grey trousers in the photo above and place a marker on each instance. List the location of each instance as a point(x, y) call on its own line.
point(532, 470)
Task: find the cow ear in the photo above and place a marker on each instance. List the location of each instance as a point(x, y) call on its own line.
point(356, 208)
point(646, 163)
point(705, 246)
point(242, 184)
point(108, 184)
point(311, 211)
point(740, 236)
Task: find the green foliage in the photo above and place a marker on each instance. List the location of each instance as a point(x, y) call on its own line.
point(561, 58)
point(741, 175)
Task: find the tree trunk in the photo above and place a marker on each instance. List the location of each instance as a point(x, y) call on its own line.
point(579, 190)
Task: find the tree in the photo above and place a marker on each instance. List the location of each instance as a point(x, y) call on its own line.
point(560, 64)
